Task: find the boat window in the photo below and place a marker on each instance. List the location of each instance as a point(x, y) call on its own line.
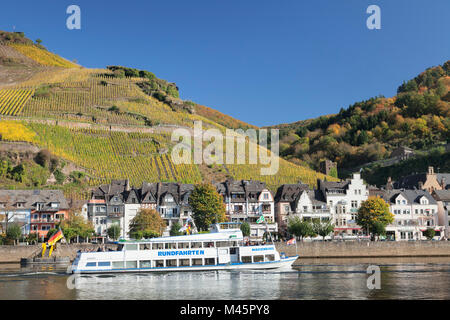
point(91, 264)
point(234, 243)
point(258, 258)
point(184, 262)
point(210, 261)
point(120, 247)
point(171, 245)
point(145, 264)
point(233, 250)
point(208, 244)
point(196, 244)
point(197, 262)
point(131, 264)
point(223, 251)
point(183, 245)
point(246, 259)
point(222, 244)
point(131, 246)
point(270, 257)
point(104, 264)
point(145, 246)
point(159, 263)
point(158, 246)
point(117, 264)
point(171, 262)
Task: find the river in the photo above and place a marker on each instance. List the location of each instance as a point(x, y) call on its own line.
point(401, 278)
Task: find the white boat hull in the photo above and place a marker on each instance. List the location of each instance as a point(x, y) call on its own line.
point(285, 263)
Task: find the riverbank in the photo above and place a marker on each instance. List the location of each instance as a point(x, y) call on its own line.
point(377, 249)
point(318, 249)
point(13, 254)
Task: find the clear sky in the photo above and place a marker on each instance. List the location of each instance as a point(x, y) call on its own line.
point(264, 62)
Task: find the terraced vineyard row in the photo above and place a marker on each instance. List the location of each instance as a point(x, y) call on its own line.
point(114, 155)
point(12, 101)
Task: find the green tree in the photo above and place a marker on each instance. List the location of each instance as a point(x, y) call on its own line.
point(373, 212)
point(207, 206)
point(323, 229)
point(113, 231)
point(429, 233)
point(300, 228)
point(147, 220)
point(13, 232)
point(175, 229)
point(75, 226)
point(245, 228)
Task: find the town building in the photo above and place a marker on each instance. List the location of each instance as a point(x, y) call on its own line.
point(298, 200)
point(402, 153)
point(35, 211)
point(118, 203)
point(429, 181)
point(247, 201)
point(442, 198)
point(414, 212)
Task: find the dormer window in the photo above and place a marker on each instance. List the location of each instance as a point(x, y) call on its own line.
point(424, 201)
point(39, 206)
point(2, 205)
point(169, 198)
point(20, 205)
point(54, 205)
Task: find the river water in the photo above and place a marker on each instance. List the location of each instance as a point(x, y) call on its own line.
point(411, 278)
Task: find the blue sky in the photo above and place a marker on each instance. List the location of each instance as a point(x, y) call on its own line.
point(264, 62)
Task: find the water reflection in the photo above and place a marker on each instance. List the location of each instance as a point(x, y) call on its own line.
point(310, 279)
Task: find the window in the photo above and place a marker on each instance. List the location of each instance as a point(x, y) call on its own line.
point(54, 204)
point(91, 264)
point(145, 246)
point(183, 245)
point(2, 205)
point(104, 264)
point(159, 263)
point(170, 245)
point(131, 264)
point(145, 264)
point(286, 208)
point(116, 209)
point(208, 244)
point(157, 246)
point(171, 263)
point(117, 265)
point(196, 245)
point(222, 244)
point(266, 196)
point(258, 258)
point(210, 261)
point(269, 257)
point(246, 259)
point(184, 263)
point(197, 262)
point(354, 204)
point(34, 227)
point(131, 246)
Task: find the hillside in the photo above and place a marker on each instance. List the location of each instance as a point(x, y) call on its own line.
point(417, 117)
point(102, 124)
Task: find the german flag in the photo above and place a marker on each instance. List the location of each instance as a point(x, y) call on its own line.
point(55, 238)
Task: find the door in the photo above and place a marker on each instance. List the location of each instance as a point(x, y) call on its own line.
point(224, 255)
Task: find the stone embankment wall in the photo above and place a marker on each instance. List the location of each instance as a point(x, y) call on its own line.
point(351, 249)
point(13, 254)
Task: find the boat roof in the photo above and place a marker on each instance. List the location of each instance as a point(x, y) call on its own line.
point(223, 235)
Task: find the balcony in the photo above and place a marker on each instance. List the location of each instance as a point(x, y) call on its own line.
point(170, 216)
point(51, 220)
point(115, 214)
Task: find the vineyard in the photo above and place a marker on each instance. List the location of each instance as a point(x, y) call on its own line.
point(115, 155)
point(42, 56)
point(12, 101)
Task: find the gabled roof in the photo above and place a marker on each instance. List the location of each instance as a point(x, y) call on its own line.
point(30, 198)
point(251, 189)
point(412, 196)
point(442, 195)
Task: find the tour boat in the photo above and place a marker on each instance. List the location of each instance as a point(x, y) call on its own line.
point(223, 248)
